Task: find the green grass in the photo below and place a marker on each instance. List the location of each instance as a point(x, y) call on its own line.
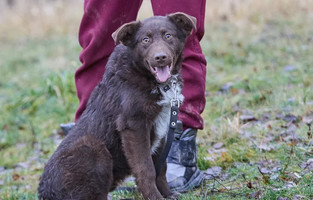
point(37, 93)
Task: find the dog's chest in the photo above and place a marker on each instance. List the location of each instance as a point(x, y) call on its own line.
point(161, 122)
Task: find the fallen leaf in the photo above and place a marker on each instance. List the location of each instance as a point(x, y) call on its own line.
point(282, 198)
point(274, 176)
point(289, 68)
point(265, 147)
point(25, 165)
point(5, 127)
point(291, 100)
point(214, 171)
point(247, 118)
point(308, 121)
point(309, 103)
point(16, 177)
point(255, 69)
point(249, 185)
point(299, 197)
point(226, 87)
point(279, 115)
point(255, 195)
point(265, 179)
point(218, 145)
point(291, 118)
point(266, 117)
point(234, 90)
point(45, 152)
point(265, 170)
point(307, 165)
point(289, 184)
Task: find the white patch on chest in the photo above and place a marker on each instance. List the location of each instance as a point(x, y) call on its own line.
point(163, 119)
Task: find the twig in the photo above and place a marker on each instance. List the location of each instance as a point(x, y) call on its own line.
point(290, 154)
point(33, 133)
point(309, 133)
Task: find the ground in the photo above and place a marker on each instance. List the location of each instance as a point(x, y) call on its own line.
point(257, 142)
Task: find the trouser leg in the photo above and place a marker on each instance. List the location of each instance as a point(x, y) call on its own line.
point(100, 19)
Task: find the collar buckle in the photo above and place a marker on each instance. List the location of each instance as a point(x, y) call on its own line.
point(175, 102)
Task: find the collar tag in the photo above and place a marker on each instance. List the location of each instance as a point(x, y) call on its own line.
point(175, 101)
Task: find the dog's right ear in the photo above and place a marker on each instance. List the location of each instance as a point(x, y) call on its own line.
point(186, 22)
point(125, 34)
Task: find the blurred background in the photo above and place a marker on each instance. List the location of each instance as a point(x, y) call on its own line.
point(38, 18)
point(259, 107)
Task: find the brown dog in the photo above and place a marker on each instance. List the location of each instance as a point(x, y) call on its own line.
point(123, 129)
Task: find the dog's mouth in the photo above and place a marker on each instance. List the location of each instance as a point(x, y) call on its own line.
point(162, 73)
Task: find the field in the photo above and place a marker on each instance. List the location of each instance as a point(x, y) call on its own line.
point(257, 142)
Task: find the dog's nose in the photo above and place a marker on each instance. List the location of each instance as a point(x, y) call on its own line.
point(160, 57)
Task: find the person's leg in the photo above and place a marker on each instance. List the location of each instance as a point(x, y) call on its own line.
point(194, 64)
point(182, 172)
point(100, 19)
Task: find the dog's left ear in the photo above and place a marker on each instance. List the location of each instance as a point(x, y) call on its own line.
point(126, 33)
point(184, 21)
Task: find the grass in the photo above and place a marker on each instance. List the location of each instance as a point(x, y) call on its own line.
point(259, 99)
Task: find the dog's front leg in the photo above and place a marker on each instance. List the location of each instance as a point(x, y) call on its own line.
point(161, 179)
point(163, 185)
point(136, 146)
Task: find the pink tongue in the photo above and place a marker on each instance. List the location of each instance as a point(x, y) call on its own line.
point(163, 73)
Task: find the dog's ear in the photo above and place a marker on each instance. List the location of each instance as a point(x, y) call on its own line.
point(184, 21)
point(126, 33)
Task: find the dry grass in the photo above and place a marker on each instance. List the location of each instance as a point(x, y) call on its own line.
point(245, 10)
point(35, 18)
point(40, 18)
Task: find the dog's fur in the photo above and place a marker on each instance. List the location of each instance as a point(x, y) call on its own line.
point(122, 131)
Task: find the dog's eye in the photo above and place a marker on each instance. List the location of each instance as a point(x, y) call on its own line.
point(146, 40)
point(168, 36)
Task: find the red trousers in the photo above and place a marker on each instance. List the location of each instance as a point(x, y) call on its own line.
point(102, 17)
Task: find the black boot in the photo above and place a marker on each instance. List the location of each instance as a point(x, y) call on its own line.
point(182, 171)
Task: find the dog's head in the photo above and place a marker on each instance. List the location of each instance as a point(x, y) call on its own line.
point(158, 42)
